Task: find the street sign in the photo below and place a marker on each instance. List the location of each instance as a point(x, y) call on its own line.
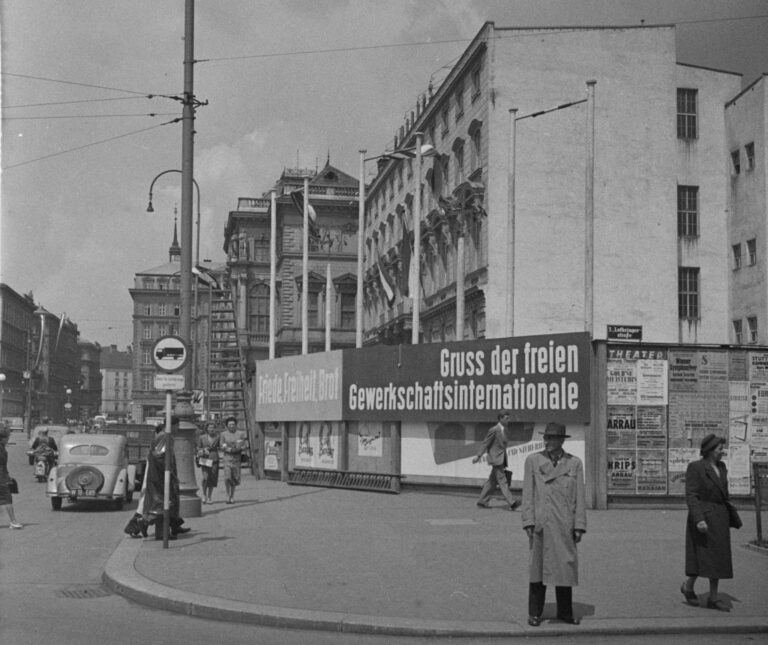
point(169, 381)
point(170, 353)
point(625, 332)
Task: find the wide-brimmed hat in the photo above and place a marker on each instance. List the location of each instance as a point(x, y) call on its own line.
point(710, 442)
point(556, 430)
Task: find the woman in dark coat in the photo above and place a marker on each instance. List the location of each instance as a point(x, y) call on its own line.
point(6, 499)
point(707, 532)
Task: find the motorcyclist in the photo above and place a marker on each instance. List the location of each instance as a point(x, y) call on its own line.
point(45, 445)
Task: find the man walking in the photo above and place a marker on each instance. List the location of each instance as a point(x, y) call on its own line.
point(495, 444)
point(232, 442)
point(555, 518)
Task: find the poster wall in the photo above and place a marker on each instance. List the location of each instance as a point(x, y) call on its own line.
point(662, 401)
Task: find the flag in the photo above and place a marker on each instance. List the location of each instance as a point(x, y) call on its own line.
point(405, 259)
point(298, 201)
point(205, 277)
point(427, 150)
point(62, 320)
point(385, 285)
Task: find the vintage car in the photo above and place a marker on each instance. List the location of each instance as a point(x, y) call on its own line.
point(92, 467)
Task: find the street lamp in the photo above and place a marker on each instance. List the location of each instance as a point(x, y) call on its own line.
point(150, 209)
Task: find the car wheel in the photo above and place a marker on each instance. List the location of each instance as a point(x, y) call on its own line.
point(56, 503)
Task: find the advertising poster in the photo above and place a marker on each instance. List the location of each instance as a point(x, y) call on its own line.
point(712, 367)
point(739, 406)
point(621, 427)
point(652, 427)
point(306, 445)
point(651, 382)
point(622, 471)
point(328, 445)
point(758, 432)
point(737, 366)
point(693, 415)
point(679, 458)
point(652, 472)
point(758, 367)
point(272, 448)
point(369, 439)
point(758, 398)
point(621, 382)
point(683, 373)
point(737, 461)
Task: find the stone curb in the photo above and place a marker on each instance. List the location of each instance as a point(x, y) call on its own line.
point(121, 577)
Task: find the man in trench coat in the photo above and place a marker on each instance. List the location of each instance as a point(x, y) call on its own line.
point(554, 517)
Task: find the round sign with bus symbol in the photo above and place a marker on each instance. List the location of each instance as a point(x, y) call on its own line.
point(170, 353)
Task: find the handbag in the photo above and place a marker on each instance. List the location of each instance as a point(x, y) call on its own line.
point(13, 486)
point(734, 521)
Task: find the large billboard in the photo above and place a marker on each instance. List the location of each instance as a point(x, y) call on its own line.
point(535, 378)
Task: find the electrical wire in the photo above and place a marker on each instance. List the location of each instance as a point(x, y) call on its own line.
point(100, 87)
point(88, 145)
point(115, 98)
point(84, 116)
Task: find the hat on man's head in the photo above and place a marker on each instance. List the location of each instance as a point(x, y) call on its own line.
point(556, 430)
point(710, 442)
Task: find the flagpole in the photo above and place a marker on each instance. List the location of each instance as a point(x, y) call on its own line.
point(589, 255)
point(272, 272)
point(360, 230)
point(305, 274)
point(511, 224)
point(417, 243)
point(328, 290)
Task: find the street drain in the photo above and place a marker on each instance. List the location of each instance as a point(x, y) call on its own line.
point(95, 591)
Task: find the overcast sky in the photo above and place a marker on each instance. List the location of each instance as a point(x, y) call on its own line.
point(74, 227)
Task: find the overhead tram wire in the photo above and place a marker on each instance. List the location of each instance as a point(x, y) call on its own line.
point(88, 145)
point(333, 50)
point(85, 116)
point(114, 98)
point(98, 87)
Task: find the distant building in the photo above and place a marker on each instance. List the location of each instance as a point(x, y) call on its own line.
point(156, 310)
point(116, 382)
point(333, 197)
point(88, 394)
point(16, 322)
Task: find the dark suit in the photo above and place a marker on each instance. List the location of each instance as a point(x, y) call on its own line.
point(706, 493)
point(495, 444)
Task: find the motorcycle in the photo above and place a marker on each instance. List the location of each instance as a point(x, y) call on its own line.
point(43, 459)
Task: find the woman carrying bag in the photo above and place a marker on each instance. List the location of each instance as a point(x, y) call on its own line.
point(6, 499)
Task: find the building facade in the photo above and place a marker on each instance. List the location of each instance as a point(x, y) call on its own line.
point(333, 197)
point(746, 121)
point(116, 383)
point(16, 348)
point(87, 402)
point(156, 299)
point(544, 250)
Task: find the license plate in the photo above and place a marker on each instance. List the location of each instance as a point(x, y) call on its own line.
point(84, 493)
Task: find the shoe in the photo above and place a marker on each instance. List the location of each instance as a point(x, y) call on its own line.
point(482, 505)
point(16, 525)
point(717, 604)
point(690, 596)
point(534, 621)
point(180, 530)
point(571, 621)
point(229, 501)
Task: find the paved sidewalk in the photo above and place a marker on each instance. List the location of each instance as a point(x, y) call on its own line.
point(423, 564)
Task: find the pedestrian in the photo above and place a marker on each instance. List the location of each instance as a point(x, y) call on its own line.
point(495, 444)
point(208, 458)
point(555, 518)
point(6, 497)
point(232, 442)
point(707, 529)
point(153, 504)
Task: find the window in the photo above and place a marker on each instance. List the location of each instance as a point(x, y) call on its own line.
point(313, 309)
point(444, 121)
point(737, 332)
point(735, 162)
point(148, 283)
point(476, 138)
point(147, 382)
point(146, 358)
point(348, 309)
point(752, 324)
point(752, 251)
point(162, 309)
point(444, 166)
point(736, 256)
point(686, 114)
point(749, 154)
point(687, 211)
point(261, 248)
point(459, 164)
point(259, 305)
point(146, 332)
point(688, 293)
point(459, 102)
point(177, 310)
point(162, 329)
point(147, 310)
